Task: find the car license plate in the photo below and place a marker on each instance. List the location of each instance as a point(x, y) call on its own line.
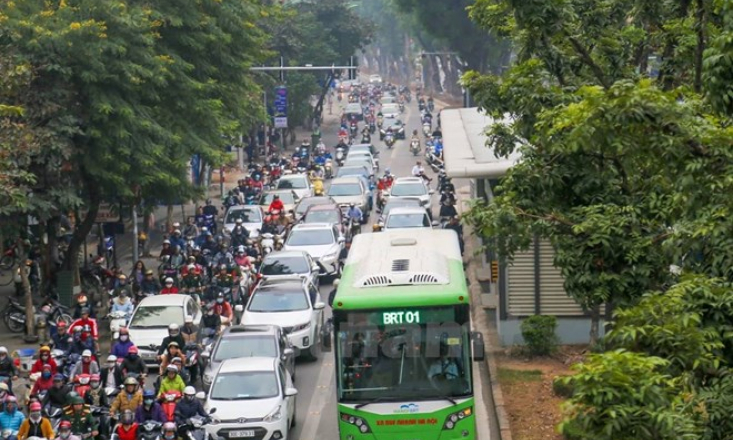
point(241, 434)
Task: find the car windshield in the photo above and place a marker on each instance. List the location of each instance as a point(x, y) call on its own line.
point(305, 203)
point(323, 216)
point(426, 359)
point(312, 237)
point(286, 197)
point(291, 184)
point(357, 162)
point(408, 189)
point(408, 221)
point(247, 346)
point(352, 171)
point(156, 316)
point(273, 266)
point(245, 386)
point(280, 301)
point(247, 216)
point(345, 189)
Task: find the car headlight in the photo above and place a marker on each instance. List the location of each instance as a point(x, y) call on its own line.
point(329, 257)
point(401, 130)
point(275, 414)
point(300, 327)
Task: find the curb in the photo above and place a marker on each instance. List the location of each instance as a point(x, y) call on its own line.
point(500, 413)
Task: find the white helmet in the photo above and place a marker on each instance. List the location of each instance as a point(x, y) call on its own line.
point(189, 391)
point(169, 280)
point(86, 353)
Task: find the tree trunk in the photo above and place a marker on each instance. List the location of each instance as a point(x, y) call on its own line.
point(169, 219)
point(595, 319)
point(146, 229)
point(435, 71)
point(30, 318)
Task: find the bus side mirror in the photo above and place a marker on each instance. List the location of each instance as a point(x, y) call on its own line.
point(477, 345)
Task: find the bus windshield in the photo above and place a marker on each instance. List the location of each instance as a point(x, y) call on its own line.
point(417, 354)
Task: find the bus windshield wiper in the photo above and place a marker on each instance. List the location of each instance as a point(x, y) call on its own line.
point(377, 400)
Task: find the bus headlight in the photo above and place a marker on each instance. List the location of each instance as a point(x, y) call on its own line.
point(452, 419)
point(360, 423)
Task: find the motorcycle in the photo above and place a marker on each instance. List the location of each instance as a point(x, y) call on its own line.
point(389, 140)
point(208, 338)
point(353, 130)
point(328, 169)
point(415, 147)
point(372, 127)
point(82, 384)
point(340, 155)
point(117, 320)
point(426, 129)
point(366, 139)
point(54, 415)
point(194, 428)
point(101, 415)
point(150, 430)
point(170, 399)
point(14, 316)
point(193, 361)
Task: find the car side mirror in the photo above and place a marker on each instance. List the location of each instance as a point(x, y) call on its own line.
point(477, 345)
point(290, 392)
point(212, 411)
point(288, 352)
point(342, 240)
point(319, 305)
point(315, 268)
point(239, 308)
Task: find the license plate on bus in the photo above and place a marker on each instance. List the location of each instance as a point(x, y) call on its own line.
point(242, 434)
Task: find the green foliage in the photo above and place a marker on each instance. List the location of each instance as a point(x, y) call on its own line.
point(562, 388)
point(623, 395)
point(539, 335)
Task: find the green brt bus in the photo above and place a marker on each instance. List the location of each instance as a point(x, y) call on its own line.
point(403, 342)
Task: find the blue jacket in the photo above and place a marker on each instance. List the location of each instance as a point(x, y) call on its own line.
point(185, 409)
point(120, 348)
point(11, 420)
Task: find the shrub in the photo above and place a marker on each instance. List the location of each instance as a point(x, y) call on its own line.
point(538, 332)
point(562, 388)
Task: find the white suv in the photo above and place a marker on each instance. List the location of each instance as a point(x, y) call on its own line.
point(322, 241)
point(295, 305)
point(251, 397)
point(412, 187)
point(407, 217)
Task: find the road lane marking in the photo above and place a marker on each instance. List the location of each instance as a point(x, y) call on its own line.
point(321, 394)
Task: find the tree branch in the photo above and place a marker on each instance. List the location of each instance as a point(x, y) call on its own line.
point(551, 218)
point(588, 60)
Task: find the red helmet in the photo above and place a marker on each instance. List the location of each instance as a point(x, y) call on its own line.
point(65, 424)
point(133, 350)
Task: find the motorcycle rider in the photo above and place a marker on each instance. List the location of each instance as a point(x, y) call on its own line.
point(456, 226)
point(189, 331)
point(86, 321)
point(169, 288)
point(354, 213)
point(223, 308)
point(231, 200)
point(169, 431)
point(7, 367)
point(173, 351)
point(43, 383)
point(35, 425)
point(127, 428)
point(111, 374)
point(419, 171)
point(86, 366)
point(174, 334)
point(57, 394)
point(447, 209)
point(415, 137)
point(191, 231)
point(211, 320)
point(150, 284)
point(61, 339)
point(80, 416)
point(240, 234)
point(65, 431)
point(123, 343)
point(129, 399)
point(78, 344)
point(44, 358)
point(96, 396)
point(192, 281)
point(123, 286)
point(177, 259)
point(11, 418)
point(123, 304)
point(81, 302)
point(133, 364)
point(186, 408)
point(171, 381)
point(150, 409)
point(210, 209)
point(167, 249)
point(224, 279)
point(276, 205)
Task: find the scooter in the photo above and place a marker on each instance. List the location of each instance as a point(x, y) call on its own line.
point(193, 361)
point(426, 129)
point(82, 384)
point(170, 399)
point(389, 140)
point(54, 415)
point(117, 320)
point(415, 147)
point(194, 428)
point(150, 430)
point(328, 169)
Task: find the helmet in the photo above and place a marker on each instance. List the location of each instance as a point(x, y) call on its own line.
point(121, 277)
point(173, 329)
point(65, 424)
point(173, 344)
point(85, 310)
point(127, 417)
point(35, 406)
point(11, 399)
point(86, 353)
point(223, 267)
point(148, 394)
point(352, 204)
point(113, 358)
point(130, 381)
point(46, 349)
point(77, 400)
point(169, 427)
point(172, 368)
point(188, 319)
point(57, 377)
point(77, 329)
point(189, 391)
point(81, 300)
point(149, 272)
point(132, 350)
point(169, 280)
point(3, 350)
point(176, 360)
point(61, 324)
point(166, 241)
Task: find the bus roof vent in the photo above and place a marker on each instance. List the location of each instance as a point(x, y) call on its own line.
point(404, 241)
point(376, 281)
point(427, 278)
point(401, 265)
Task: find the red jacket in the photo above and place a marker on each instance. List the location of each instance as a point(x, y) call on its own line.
point(224, 309)
point(92, 323)
point(127, 434)
point(276, 204)
point(169, 290)
point(42, 385)
point(39, 363)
